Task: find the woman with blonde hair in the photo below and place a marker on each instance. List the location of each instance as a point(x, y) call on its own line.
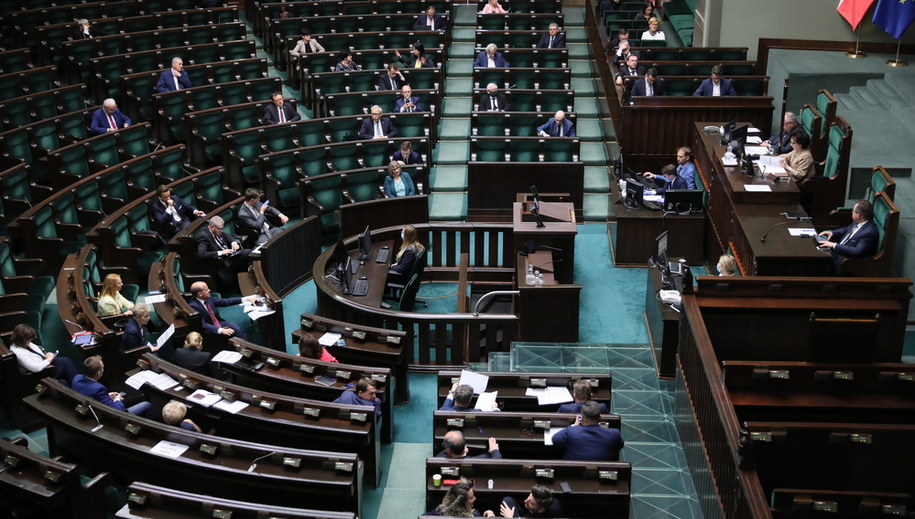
point(727, 265)
point(458, 501)
point(398, 181)
point(110, 301)
point(406, 256)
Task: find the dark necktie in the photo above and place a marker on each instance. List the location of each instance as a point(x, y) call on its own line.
point(212, 314)
point(551, 42)
point(493, 102)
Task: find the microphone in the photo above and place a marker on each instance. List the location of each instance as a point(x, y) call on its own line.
point(254, 463)
point(539, 267)
point(766, 234)
point(547, 247)
point(75, 324)
point(99, 422)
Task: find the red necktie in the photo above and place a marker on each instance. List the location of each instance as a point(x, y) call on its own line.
point(111, 120)
point(212, 314)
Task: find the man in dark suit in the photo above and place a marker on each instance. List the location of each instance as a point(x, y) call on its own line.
point(209, 317)
point(171, 211)
point(492, 100)
point(489, 58)
point(553, 39)
point(85, 31)
point(406, 155)
point(650, 85)
point(557, 126)
point(782, 141)
point(587, 440)
point(631, 68)
point(858, 240)
point(392, 79)
point(377, 127)
point(539, 503)
point(430, 21)
point(453, 447)
point(581, 393)
point(174, 78)
point(108, 118)
point(716, 85)
point(279, 111)
point(407, 102)
point(88, 385)
point(671, 180)
point(192, 356)
point(224, 250)
point(253, 215)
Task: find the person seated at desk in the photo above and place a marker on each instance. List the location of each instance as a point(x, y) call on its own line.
point(110, 300)
point(85, 31)
point(206, 305)
point(653, 33)
point(553, 39)
point(398, 182)
point(727, 265)
point(799, 162)
point(279, 112)
point(88, 385)
point(171, 211)
point(493, 101)
point(135, 334)
point(310, 348)
point(716, 85)
point(192, 356)
point(458, 501)
point(347, 64)
point(587, 440)
point(225, 250)
point(403, 264)
point(417, 58)
point(406, 156)
point(669, 179)
point(631, 69)
point(362, 394)
point(493, 7)
point(430, 21)
point(174, 412)
point(646, 14)
point(253, 215)
point(459, 398)
point(557, 126)
point(686, 169)
point(650, 85)
point(489, 58)
point(622, 35)
point(392, 79)
point(175, 78)
point(108, 118)
point(539, 503)
point(32, 358)
point(407, 102)
point(857, 240)
point(581, 393)
point(781, 143)
point(376, 126)
point(306, 45)
point(454, 447)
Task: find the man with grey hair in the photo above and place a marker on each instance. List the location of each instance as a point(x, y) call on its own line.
point(781, 142)
point(223, 250)
point(492, 100)
point(108, 118)
point(553, 39)
point(175, 78)
point(489, 58)
point(85, 31)
point(376, 126)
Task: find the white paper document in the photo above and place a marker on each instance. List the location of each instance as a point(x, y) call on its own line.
point(168, 449)
point(486, 400)
point(755, 139)
point(756, 150)
point(204, 398)
point(548, 435)
point(760, 188)
point(477, 381)
point(802, 231)
point(136, 381)
point(231, 407)
point(227, 357)
point(550, 395)
point(153, 299)
point(166, 335)
point(329, 339)
point(753, 129)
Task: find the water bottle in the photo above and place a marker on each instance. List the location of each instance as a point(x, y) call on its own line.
point(686, 276)
point(530, 279)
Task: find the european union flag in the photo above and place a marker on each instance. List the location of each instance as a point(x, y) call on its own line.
point(894, 16)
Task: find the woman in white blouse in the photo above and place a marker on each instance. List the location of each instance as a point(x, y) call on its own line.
point(33, 359)
point(653, 33)
point(110, 301)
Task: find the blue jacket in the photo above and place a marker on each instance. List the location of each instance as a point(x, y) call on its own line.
point(413, 158)
point(368, 128)
point(677, 183)
point(640, 87)
point(405, 263)
point(86, 386)
point(589, 442)
point(351, 398)
point(483, 62)
point(215, 302)
point(706, 88)
point(576, 408)
point(550, 127)
point(167, 81)
point(185, 211)
point(559, 42)
point(407, 183)
point(861, 245)
point(417, 105)
point(134, 335)
point(100, 123)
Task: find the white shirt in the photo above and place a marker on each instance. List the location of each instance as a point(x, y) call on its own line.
point(657, 36)
point(716, 89)
point(490, 63)
point(30, 359)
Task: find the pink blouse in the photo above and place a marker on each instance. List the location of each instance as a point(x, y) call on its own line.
point(327, 357)
point(489, 9)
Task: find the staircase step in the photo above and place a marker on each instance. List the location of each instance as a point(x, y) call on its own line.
point(459, 67)
point(573, 15)
point(448, 206)
point(449, 179)
point(865, 96)
point(888, 92)
point(588, 129)
point(457, 106)
point(460, 50)
point(458, 86)
point(587, 107)
point(454, 128)
point(465, 14)
point(581, 68)
point(576, 35)
point(596, 179)
point(464, 34)
point(579, 51)
point(451, 152)
point(596, 207)
point(592, 154)
point(584, 87)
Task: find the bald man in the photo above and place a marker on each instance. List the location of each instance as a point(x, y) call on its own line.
point(557, 126)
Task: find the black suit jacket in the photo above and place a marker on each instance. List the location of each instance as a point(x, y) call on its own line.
point(559, 42)
point(368, 128)
point(208, 248)
point(438, 23)
point(193, 359)
point(639, 87)
point(185, 211)
point(272, 114)
point(486, 102)
point(384, 83)
point(215, 303)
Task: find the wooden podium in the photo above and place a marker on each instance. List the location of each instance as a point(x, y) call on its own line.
point(558, 232)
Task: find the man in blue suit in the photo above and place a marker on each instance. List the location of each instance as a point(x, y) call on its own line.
point(209, 317)
point(557, 126)
point(88, 385)
point(553, 39)
point(174, 78)
point(430, 21)
point(489, 58)
point(376, 126)
point(407, 102)
point(581, 393)
point(171, 211)
point(858, 240)
point(650, 85)
point(671, 180)
point(406, 155)
point(108, 118)
point(587, 440)
point(716, 85)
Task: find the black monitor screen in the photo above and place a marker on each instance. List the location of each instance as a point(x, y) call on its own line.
point(338, 257)
point(683, 200)
point(660, 251)
point(365, 244)
point(346, 279)
point(726, 132)
point(739, 135)
point(634, 193)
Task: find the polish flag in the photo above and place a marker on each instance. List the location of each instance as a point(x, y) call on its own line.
point(853, 11)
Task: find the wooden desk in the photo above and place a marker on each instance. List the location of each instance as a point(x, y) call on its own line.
point(663, 323)
point(512, 387)
point(559, 231)
point(492, 185)
point(375, 273)
point(549, 312)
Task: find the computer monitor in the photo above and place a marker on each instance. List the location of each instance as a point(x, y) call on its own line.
point(683, 200)
point(726, 132)
point(346, 276)
point(739, 136)
point(365, 244)
point(338, 256)
point(660, 249)
point(635, 192)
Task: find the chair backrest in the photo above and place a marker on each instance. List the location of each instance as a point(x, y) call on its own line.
point(826, 105)
point(812, 122)
point(408, 297)
point(882, 182)
point(886, 216)
point(838, 148)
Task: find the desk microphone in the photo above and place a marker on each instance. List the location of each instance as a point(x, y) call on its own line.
point(766, 234)
point(254, 463)
point(75, 324)
point(560, 260)
point(99, 425)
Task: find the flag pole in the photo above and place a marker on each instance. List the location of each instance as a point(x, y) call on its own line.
point(897, 62)
point(857, 53)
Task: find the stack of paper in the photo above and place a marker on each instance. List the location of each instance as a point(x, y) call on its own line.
point(487, 401)
point(227, 357)
point(329, 339)
point(204, 398)
point(158, 380)
point(550, 395)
